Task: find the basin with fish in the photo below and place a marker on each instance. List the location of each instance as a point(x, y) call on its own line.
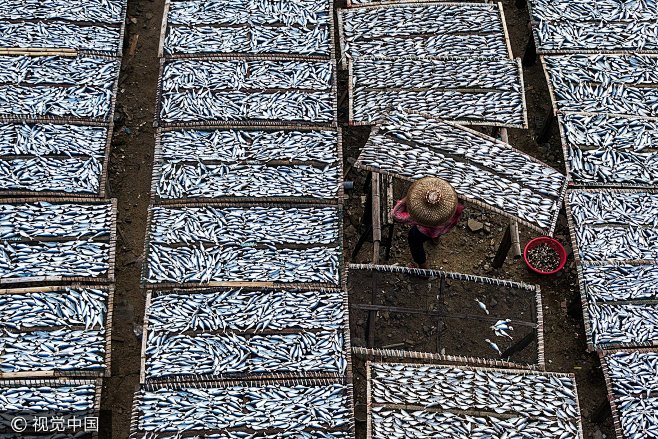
point(544, 255)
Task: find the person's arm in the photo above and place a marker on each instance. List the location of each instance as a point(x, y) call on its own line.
point(399, 212)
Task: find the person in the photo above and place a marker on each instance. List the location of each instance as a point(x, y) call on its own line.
point(432, 208)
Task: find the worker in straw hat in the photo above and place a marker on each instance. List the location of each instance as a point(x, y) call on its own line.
point(432, 208)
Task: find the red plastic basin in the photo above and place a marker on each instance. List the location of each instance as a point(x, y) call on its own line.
point(552, 243)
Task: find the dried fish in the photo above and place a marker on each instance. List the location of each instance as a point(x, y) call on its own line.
point(52, 139)
point(604, 83)
point(239, 310)
point(634, 381)
point(420, 85)
point(256, 40)
point(446, 30)
point(413, 146)
point(170, 355)
point(619, 282)
point(202, 264)
point(62, 396)
point(244, 226)
point(42, 174)
point(609, 149)
point(313, 434)
point(48, 70)
point(237, 180)
point(235, 145)
point(64, 308)
point(61, 35)
point(62, 349)
point(305, 13)
point(540, 405)
point(609, 25)
point(249, 408)
point(623, 323)
point(100, 11)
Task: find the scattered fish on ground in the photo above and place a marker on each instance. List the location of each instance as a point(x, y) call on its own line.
point(479, 167)
point(442, 30)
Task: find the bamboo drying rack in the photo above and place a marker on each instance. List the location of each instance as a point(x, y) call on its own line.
point(238, 284)
point(111, 241)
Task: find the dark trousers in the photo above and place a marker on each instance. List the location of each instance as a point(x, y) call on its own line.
point(416, 241)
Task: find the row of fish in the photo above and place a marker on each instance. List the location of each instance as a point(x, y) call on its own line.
point(606, 70)
point(623, 323)
point(610, 149)
point(618, 282)
point(452, 388)
point(42, 219)
point(414, 146)
point(258, 40)
point(44, 101)
point(61, 350)
point(247, 407)
point(494, 74)
point(314, 434)
point(248, 226)
point(303, 13)
point(61, 396)
point(595, 35)
point(234, 145)
point(373, 100)
point(99, 11)
point(601, 10)
point(86, 307)
point(198, 180)
point(202, 264)
point(237, 106)
point(43, 139)
point(450, 29)
point(170, 355)
point(401, 424)
point(80, 70)
point(44, 174)
point(634, 380)
point(61, 34)
point(212, 75)
point(615, 226)
point(238, 310)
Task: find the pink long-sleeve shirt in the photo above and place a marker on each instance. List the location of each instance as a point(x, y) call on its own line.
point(401, 214)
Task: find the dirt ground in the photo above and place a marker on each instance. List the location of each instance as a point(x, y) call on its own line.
point(460, 251)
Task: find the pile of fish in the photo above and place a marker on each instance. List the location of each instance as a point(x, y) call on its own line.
point(249, 27)
point(617, 84)
point(204, 90)
point(45, 239)
point(441, 30)
point(55, 397)
point(634, 384)
point(510, 403)
point(322, 408)
point(253, 145)
point(609, 25)
point(610, 149)
point(613, 232)
point(238, 310)
point(480, 168)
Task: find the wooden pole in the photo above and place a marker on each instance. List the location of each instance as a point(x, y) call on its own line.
point(376, 217)
point(513, 224)
point(503, 249)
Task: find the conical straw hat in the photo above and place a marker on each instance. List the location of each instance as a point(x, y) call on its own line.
point(431, 201)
